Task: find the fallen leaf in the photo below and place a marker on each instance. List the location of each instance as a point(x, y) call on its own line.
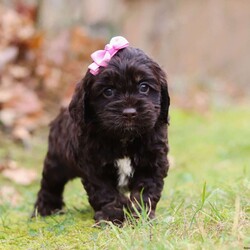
point(32, 121)
point(19, 72)
point(23, 100)
point(29, 11)
point(19, 175)
point(7, 55)
point(2, 167)
point(22, 134)
point(5, 95)
point(9, 194)
point(7, 163)
point(53, 80)
point(7, 117)
point(36, 41)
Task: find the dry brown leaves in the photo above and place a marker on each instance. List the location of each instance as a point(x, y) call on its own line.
point(37, 73)
point(19, 46)
point(23, 176)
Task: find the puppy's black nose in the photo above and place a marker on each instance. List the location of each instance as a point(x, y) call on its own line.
point(129, 113)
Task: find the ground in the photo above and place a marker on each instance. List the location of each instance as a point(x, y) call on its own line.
point(205, 203)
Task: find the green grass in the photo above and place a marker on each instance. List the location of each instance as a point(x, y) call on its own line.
point(205, 203)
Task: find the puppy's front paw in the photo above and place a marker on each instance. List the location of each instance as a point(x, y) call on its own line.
point(110, 213)
point(45, 207)
point(46, 210)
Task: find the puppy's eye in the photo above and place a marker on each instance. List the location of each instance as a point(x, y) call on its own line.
point(109, 92)
point(143, 88)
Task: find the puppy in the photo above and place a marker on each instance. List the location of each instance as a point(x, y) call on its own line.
point(113, 136)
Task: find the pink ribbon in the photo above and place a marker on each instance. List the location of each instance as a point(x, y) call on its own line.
point(102, 57)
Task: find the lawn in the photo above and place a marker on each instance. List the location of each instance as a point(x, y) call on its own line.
point(205, 203)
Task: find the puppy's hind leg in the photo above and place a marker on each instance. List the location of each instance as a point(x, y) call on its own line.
point(50, 197)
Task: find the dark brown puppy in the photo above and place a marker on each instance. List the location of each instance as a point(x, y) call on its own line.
point(113, 136)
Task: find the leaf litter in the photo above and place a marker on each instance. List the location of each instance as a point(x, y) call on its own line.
point(37, 72)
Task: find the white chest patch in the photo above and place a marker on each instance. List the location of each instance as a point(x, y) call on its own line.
point(125, 171)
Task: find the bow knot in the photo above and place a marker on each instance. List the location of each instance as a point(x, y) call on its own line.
point(102, 57)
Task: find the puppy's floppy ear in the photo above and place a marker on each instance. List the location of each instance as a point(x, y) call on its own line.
point(165, 99)
point(78, 107)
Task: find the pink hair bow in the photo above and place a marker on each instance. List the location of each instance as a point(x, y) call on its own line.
point(102, 57)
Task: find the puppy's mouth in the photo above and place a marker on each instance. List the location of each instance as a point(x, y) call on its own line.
point(129, 125)
point(127, 128)
point(134, 127)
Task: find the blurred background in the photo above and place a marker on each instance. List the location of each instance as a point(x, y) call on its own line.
point(45, 47)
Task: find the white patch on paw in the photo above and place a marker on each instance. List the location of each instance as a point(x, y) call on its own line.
point(125, 171)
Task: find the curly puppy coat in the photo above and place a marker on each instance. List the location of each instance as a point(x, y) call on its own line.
point(114, 137)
